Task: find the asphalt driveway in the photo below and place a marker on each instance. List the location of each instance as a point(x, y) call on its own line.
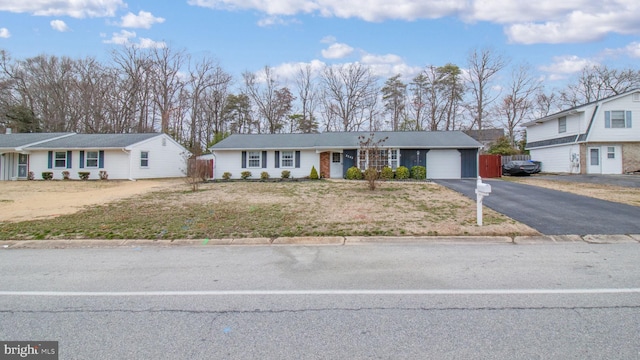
point(553, 212)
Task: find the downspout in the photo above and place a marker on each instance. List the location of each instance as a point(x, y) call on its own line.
point(124, 150)
point(215, 163)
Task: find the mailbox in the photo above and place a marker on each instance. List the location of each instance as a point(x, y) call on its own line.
point(484, 189)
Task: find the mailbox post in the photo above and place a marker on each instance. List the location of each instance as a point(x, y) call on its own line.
point(482, 190)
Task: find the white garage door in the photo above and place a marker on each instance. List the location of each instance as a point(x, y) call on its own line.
point(443, 164)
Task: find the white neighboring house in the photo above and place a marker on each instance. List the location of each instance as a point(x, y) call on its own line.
point(122, 156)
point(596, 138)
point(445, 154)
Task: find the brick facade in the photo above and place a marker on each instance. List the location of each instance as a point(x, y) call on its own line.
point(630, 157)
point(325, 165)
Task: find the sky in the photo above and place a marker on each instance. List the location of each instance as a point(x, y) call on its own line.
point(555, 38)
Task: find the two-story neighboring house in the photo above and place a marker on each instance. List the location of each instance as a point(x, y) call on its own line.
point(595, 138)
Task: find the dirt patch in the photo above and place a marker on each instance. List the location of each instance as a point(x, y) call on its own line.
point(30, 200)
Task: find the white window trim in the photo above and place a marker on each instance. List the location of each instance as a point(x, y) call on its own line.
point(249, 159)
point(147, 159)
point(562, 125)
point(292, 159)
point(55, 159)
point(388, 162)
point(87, 158)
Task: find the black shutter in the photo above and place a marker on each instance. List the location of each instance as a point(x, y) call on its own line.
point(244, 159)
point(277, 159)
point(297, 159)
point(264, 159)
point(81, 159)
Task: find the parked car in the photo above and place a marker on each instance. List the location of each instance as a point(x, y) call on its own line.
point(538, 165)
point(520, 167)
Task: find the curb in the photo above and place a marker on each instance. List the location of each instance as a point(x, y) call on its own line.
point(324, 241)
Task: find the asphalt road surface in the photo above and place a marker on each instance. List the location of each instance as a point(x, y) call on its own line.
point(551, 301)
point(553, 212)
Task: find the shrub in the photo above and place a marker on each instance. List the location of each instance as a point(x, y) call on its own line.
point(419, 172)
point(245, 175)
point(31, 175)
point(402, 172)
point(286, 174)
point(83, 175)
point(264, 175)
point(371, 175)
point(314, 173)
point(226, 176)
point(386, 173)
point(65, 175)
point(103, 175)
point(47, 175)
point(353, 173)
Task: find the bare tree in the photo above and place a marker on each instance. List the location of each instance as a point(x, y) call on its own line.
point(349, 93)
point(545, 104)
point(273, 103)
point(166, 81)
point(484, 65)
point(598, 82)
point(308, 98)
point(518, 103)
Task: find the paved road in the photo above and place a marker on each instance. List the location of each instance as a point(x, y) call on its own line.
point(553, 212)
point(553, 301)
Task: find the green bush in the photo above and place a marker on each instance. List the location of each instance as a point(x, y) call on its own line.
point(419, 172)
point(245, 175)
point(83, 175)
point(226, 175)
point(264, 175)
point(386, 173)
point(314, 174)
point(286, 174)
point(353, 173)
point(47, 175)
point(402, 172)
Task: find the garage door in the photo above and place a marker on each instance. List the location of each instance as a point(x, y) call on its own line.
point(443, 164)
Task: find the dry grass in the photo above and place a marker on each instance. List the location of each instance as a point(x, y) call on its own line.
point(624, 195)
point(273, 209)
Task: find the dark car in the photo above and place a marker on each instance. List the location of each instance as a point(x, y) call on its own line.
point(520, 167)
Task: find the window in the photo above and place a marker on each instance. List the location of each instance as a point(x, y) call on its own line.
point(562, 124)
point(61, 159)
point(617, 119)
point(611, 152)
point(286, 159)
point(254, 159)
point(378, 159)
point(335, 158)
point(144, 159)
point(92, 159)
point(393, 158)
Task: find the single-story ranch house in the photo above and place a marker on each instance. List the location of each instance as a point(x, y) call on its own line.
point(445, 154)
point(121, 156)
point(596, 138)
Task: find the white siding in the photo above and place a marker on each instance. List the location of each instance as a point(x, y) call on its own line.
point(576, 124)
point(166, 159)
point(558, 158)
point(601, 134)
point(231, 161)
point(444, 164)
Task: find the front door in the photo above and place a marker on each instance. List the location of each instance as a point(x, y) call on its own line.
point(23, 166)
point(594, 161)
point(336, 165)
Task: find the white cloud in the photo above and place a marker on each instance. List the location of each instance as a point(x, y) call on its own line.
point(143, 20)
point(72, 8)
point(276, 20)
point(633, 49)
point(127, 38)
point(528, 22)
point(389, 65)
point(288, 72)
point(564, 66)
point(337, 51)
point(59, 25)
point(4, 33)
point(328, 39)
